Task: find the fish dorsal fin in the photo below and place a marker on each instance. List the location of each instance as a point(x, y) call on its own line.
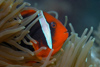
point(45, 29)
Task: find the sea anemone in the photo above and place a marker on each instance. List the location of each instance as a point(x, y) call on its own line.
point(77, 51)
point(95, 52)
point(14, 28)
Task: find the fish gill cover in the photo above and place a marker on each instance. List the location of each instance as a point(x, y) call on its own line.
point(14, 29)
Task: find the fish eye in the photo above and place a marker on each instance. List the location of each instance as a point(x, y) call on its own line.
point(53, 24)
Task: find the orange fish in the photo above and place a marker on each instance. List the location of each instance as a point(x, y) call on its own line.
point(58, 33)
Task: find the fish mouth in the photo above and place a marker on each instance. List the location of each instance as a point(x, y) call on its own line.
point(65, 32)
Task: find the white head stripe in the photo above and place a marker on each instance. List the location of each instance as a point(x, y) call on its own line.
point(46, 29)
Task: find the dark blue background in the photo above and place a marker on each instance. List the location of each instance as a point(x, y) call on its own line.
point(81, 13)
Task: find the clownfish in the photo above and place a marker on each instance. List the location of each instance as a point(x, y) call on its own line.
point(52, 38)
